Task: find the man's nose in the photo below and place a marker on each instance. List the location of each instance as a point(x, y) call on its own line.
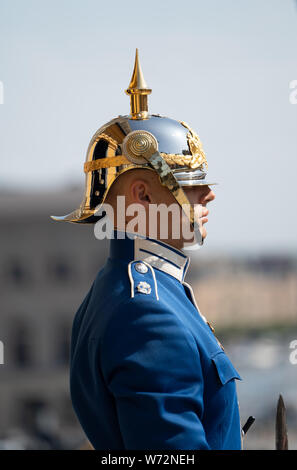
point(210, 196)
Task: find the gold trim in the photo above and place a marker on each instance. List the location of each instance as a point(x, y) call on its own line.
point(105, 162)
point(170, 158)
point(113, 143)
point(195, 146)
point(190, 161)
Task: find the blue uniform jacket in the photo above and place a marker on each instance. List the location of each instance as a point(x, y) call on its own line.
point(146, 370)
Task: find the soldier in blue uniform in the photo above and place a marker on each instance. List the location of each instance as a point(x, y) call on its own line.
point(147, 371)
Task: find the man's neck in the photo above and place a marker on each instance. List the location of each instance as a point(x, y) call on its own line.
point(178, 244)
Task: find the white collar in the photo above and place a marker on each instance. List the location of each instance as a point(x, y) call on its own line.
point(162, 256)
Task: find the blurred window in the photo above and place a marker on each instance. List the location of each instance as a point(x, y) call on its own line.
point(21, 346)
point(28, 411)
point(16, 272)
point(61, 269)
point(62, 349)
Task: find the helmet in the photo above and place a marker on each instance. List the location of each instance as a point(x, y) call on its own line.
point(169, 147)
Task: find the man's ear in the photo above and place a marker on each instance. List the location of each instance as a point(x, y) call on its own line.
point(140, 192)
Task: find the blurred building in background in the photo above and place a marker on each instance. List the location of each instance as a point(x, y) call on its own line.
point(46, 269)
point(248, 291)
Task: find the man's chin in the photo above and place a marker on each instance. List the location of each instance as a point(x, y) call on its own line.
point(192, 243)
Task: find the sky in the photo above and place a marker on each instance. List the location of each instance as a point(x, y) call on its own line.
point(222, 66)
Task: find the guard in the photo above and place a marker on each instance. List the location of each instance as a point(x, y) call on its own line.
point(147, 371)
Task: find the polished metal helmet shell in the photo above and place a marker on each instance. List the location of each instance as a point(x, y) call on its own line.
point(108, 155)
point(173, 145)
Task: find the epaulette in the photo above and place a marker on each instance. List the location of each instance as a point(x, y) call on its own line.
point(142, 279)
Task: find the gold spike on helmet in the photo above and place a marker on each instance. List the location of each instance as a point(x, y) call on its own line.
point(169, 147)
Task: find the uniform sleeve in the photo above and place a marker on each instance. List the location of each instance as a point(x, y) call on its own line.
point(151, 366)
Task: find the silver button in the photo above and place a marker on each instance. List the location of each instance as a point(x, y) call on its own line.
point(144, 287)
point(141, 268)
